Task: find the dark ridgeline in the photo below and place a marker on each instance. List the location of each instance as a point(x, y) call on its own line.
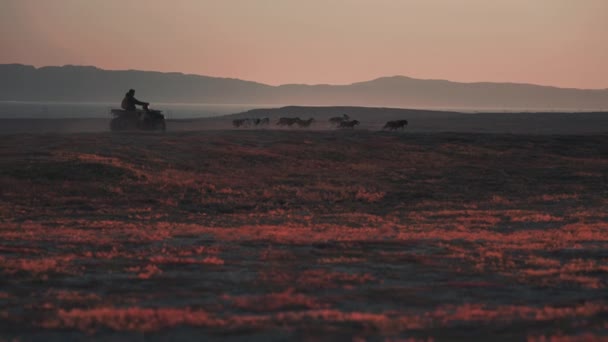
point(334, 115)
point(376, 118)
point(82, 83)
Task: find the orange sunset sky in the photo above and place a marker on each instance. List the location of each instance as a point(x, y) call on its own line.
point(551, 42)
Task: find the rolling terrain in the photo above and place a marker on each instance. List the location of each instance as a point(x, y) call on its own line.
point(372, 119)
point(87, 83)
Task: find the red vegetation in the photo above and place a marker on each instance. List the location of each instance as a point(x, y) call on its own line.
point(350, 235)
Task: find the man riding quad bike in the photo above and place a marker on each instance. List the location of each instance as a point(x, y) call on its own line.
point(131, 118)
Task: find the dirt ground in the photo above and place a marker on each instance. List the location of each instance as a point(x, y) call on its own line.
point(310, 235)
point(372, 119)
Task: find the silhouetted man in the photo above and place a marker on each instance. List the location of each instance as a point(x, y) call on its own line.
point(129, 102)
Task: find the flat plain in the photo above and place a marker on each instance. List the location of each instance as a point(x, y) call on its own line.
point(321, 235)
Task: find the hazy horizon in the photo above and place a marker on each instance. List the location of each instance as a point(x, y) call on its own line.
point(305, 84)
point(546, 42)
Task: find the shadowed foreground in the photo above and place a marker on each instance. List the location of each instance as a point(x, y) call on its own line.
point(275, 234)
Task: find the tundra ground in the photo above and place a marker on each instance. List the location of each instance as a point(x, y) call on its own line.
point(303, 234)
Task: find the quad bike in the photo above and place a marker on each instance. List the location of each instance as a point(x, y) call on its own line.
point(146, 119)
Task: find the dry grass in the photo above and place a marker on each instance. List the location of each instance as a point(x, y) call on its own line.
point(274, 234)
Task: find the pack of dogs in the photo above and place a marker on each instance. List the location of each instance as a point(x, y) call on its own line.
point(343, 121)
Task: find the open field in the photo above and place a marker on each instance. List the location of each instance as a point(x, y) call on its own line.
point(372, 119)
point(273, 234)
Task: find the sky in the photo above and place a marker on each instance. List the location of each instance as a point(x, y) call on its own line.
point(550, 42)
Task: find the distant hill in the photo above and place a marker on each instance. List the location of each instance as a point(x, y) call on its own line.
point(431, 121)
point(359, 113)
point(79, 83)
point(83, 83)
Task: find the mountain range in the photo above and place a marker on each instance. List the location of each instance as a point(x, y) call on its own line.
point(90, 84)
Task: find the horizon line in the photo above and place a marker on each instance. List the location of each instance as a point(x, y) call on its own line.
point(302, 84)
